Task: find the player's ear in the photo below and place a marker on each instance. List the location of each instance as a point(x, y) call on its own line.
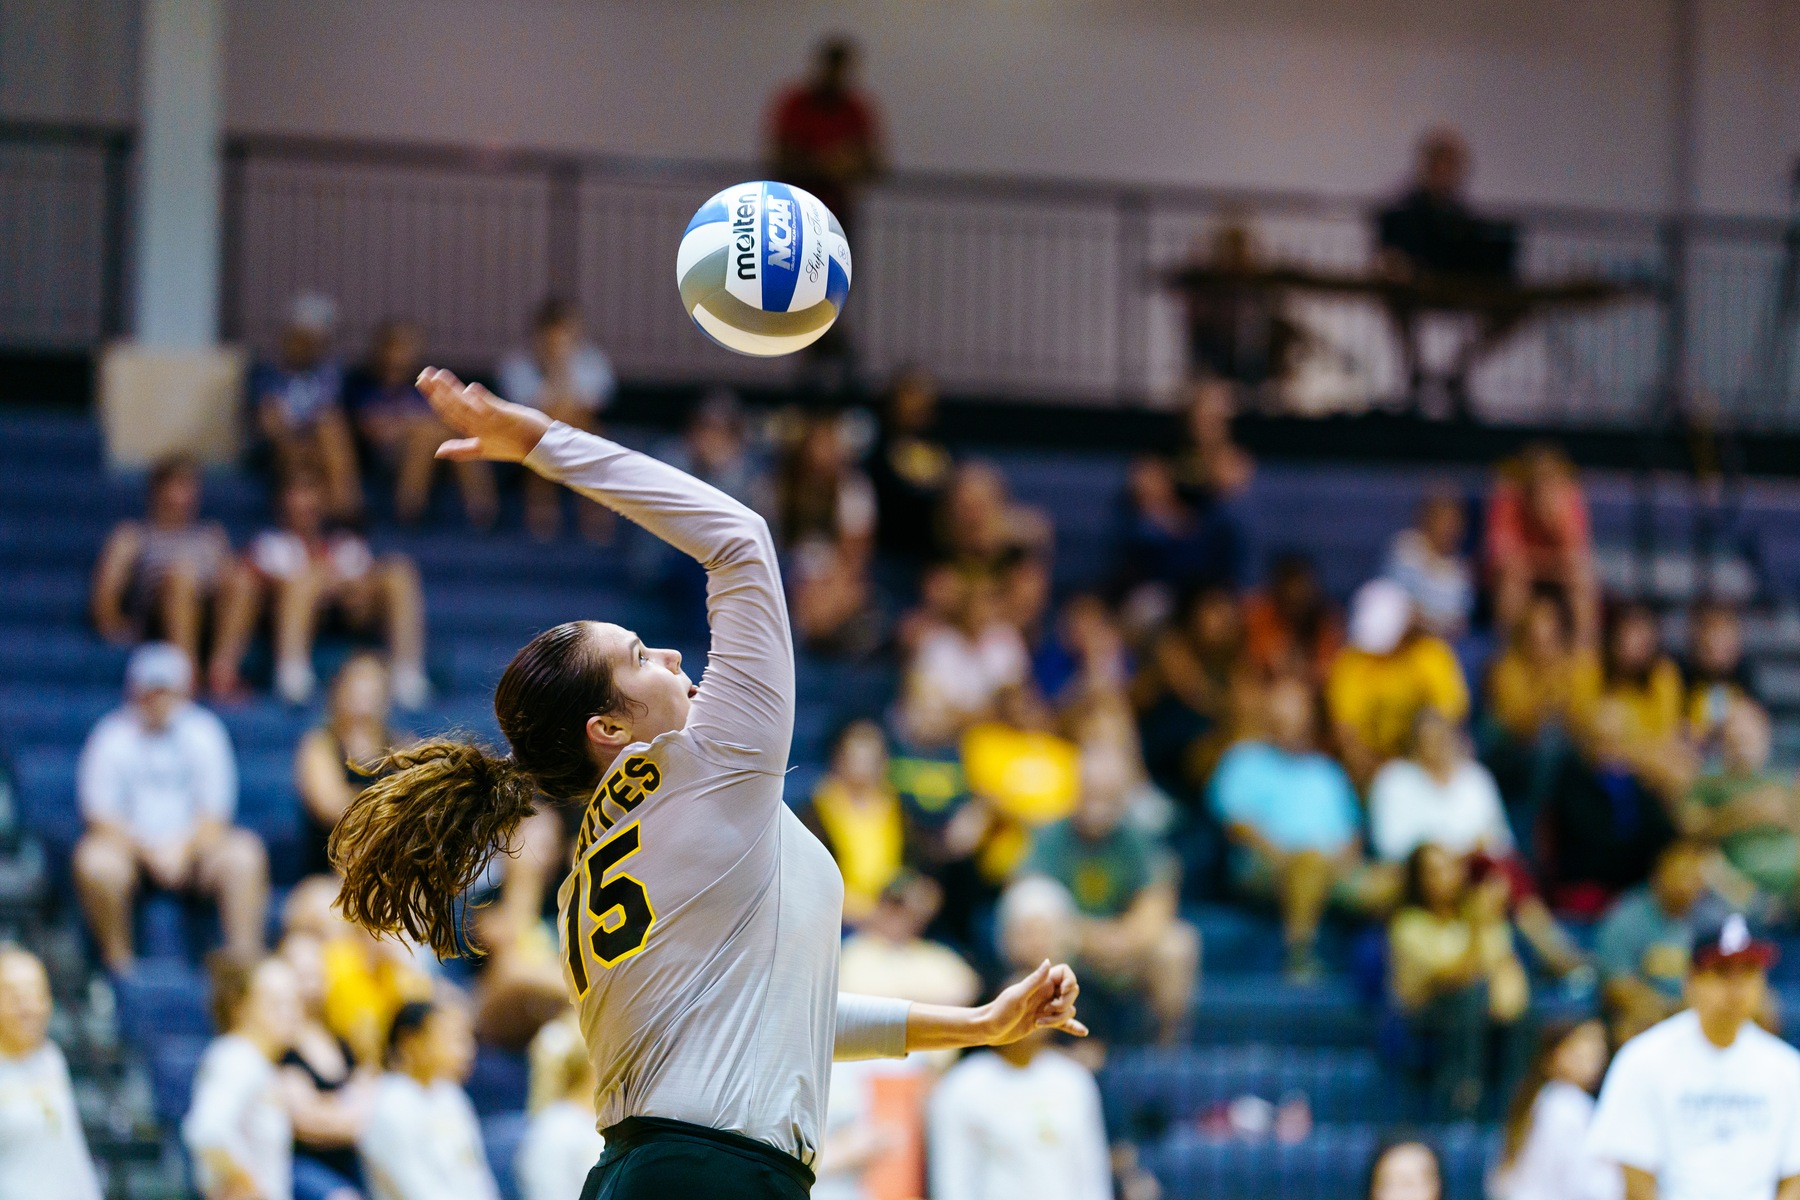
point(609, 732)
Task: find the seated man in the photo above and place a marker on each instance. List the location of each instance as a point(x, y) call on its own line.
point(1749, 812)
point(1128, 935)
point(1390, 671)
point(157, 785)
point(1643, 942)
point(305, 572)
point(1292, 816)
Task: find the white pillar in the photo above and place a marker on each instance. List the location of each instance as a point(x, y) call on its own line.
point(176, 297)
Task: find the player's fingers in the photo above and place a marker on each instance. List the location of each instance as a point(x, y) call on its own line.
point(460, 449)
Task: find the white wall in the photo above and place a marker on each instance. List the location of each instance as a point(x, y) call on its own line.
point(1565, 102)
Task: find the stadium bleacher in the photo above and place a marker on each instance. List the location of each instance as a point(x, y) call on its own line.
point(1254, 1034)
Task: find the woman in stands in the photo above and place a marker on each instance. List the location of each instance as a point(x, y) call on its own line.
point(1546, 1155)
point(700, 925)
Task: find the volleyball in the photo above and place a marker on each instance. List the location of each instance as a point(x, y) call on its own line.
point(763, 269)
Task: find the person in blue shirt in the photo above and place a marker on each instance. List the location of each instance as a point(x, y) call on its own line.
point(297, 404)
point(1294, 824)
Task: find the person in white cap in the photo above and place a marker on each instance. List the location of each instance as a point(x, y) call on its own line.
point(297, 401)
point(1706, 1105)
point(1389, 672)
point(157, 786)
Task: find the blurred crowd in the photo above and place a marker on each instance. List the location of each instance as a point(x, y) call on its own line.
point(1486, 775)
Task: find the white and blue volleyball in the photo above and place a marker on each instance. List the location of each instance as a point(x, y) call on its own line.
point(764, 269)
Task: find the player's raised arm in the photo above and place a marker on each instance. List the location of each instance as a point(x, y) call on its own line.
point(746, 700)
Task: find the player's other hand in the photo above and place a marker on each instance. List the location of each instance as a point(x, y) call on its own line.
point(491, 428)
point(1044, 999)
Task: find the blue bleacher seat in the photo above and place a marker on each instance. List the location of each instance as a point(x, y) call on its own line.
point(501, 1134)
point(1153, 1087)
point(1263, 1008)
point(499, 1082)
point(173, 1064)
point(162, 998)
point(1332, 1164)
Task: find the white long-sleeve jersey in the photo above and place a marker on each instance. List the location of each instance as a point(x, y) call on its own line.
point(43, 1153)
point(700, 926)
point(1001, 1132)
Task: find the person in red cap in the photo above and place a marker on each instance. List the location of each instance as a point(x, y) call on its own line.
point(1706, 1105)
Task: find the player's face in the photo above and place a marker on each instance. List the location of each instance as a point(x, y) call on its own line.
point(24, 1004)
point(652, 680)
point(1728, 993)
point(451, 1044)
point(1406, 1172)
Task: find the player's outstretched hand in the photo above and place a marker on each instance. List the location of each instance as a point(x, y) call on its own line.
point(490, 427)
point(1044, 999)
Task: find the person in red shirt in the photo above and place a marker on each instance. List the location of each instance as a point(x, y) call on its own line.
point(823, 133)
point(1538, 536)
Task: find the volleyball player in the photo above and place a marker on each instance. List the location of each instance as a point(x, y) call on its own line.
point(700, 926)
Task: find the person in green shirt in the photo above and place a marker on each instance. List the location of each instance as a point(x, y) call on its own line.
point(1749, 812)
point(1124, 885)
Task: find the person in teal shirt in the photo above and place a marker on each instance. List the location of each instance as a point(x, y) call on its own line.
point(1127, 933)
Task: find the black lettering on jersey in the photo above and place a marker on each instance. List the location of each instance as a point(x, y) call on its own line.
point(639, 767)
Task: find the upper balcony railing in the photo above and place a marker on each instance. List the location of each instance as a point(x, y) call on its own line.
point(1005, 287)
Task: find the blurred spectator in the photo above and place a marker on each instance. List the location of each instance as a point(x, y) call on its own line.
point(43, 1153)
point(981, 528)
point(367, 980)
point(1019, 1122)
point(298, 403)
point(1431, 232)
point(824, 134)
point(394, 419)
point(519, 982)
point(337, 760)
point(326, 1097)
point(1442, 796)
point(161, 576)
point(1129, 938)
point(1545, 1154)
point(1644, 685)
point(1190, 689)
point(890, 956)
point(157, 784)
point(1035, 920)
point(1290, 626)
point(857, 814)
point(1083, 660)
point(1389, 672)
point(1428, 561)
point(1605, 824)
point(1539, 691)
point(307, 573)
point(1404, 1169)
point(1210, 463)
point(561, 1144)
point(1750, 812)
point(1236, 330)
point(1717, 676)
point(423, 1141)
point(820, 495)
point(960, 667)
point(1643, 942)
point(567, 376)
point(907, 465)
point(237, 1130)
point(1456, 976)
point(1538, 536)
point(1293, 817)
point(715, 448)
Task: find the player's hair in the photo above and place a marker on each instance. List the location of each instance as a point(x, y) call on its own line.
point(409, 1019)
point(1518, 1111)
point(415, 840)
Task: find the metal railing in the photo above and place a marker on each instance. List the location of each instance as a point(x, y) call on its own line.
point(1005, 287)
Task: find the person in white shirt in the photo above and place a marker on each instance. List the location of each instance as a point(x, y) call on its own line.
point(423, 1141)
point(237, 1129)
point(561, 1143)
point(157, 785)
point(1018, 1122)
point(1428, 561)
point(568, 378)
point(43, 1154)
point(1706, 1105)
point(1546, 1156)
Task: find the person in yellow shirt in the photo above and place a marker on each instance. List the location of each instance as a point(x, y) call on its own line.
point(1544, 678)
point(857, 813)
point(1388, 672)
point(1643, 687)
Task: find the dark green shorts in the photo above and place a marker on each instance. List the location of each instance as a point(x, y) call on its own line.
point(649, 1158)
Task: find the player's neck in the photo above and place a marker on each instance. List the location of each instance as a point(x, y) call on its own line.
point(1720, 1031)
